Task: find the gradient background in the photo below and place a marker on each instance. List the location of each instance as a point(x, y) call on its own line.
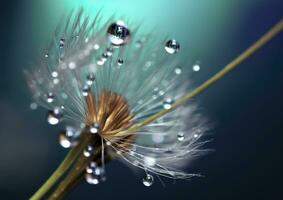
point(246, 106)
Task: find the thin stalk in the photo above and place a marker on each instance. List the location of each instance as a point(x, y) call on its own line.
point(60, 171)
point(219, 75)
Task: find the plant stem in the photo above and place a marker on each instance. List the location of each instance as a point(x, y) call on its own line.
point(219, 75)
point(61, 170)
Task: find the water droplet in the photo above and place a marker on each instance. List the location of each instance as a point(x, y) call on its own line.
point(90, 79)
point(196, 67)
point(167, 103)
point(118, 33)
point(181, 136)
point(88, 151)
point(109, 51)
point(91, 167)
point(85, 90)
point(54, 116)
point(68, 137)
point(148, 180)
point(50, 97)
point(62, 43)
point(46, 55)
point(72, 65)
point(96, 46)
point(196, 135)
point(178, 71)
point(100, 62)
point(94, 128)
point(33, 106)
point(120, 61)
point(172, 46)
point(54, 74)
point(96, 176)
point(56, 81)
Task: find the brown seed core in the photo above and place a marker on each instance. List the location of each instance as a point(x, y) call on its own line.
point(110, 111)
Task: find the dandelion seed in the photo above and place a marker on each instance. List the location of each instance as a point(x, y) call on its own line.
point(103, 100)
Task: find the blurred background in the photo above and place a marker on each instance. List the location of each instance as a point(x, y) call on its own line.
point(246, 106)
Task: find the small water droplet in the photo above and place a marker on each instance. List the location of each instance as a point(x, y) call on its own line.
point(54, 74)
point(33, 106)
point(148, 180)
point(91, 167)
point(96, 46)
point(85, 90)
point(50, 97)
point(118, 33)
point(100, 62)
point(97, 176)
point(167, 103)
point(181, 136)
point(62, 43)
point(94, 128)
point(178, 71)
point(120, 61)
point(172, 46)
point(90, 79)
point(54, 116)
point(196, 135)
point(196, 67)
point(46, 55)
point(88, 151)
point(68, 137)
point(72, 65)
point(109, 51)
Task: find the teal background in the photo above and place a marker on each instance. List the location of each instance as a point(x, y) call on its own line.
point(246, 106)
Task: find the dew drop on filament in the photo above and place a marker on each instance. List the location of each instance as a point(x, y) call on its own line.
point(172, 46)
point(118, 33)
point(181, 136)
point(50, 97)
point(54, 116)
point(68, 138)
point(88, 151)
point(90, 79)
point(94, 128)
point(167, 103)
point(148, 180)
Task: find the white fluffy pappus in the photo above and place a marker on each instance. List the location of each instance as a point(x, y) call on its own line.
point(85, 56)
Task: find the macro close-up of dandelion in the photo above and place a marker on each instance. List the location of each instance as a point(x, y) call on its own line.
point(119, 93)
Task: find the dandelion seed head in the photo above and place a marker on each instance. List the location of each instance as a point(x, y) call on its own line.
point(109, 89)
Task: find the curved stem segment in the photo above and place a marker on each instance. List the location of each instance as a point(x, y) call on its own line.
point(60, 171)
point(228, 68)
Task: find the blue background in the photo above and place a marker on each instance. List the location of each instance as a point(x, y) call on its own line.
point(246, 106)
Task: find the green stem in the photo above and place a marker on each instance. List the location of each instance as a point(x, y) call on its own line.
point(60, 171)
point(228, 68)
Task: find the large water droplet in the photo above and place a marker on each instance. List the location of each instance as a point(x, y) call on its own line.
point(94, 128)
point(88, 151)
point(148, 180)
point(50, 97)
point(118, 33)
point(181, 136)
point(172, 46)
point(68, 138)
point(54, 116)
